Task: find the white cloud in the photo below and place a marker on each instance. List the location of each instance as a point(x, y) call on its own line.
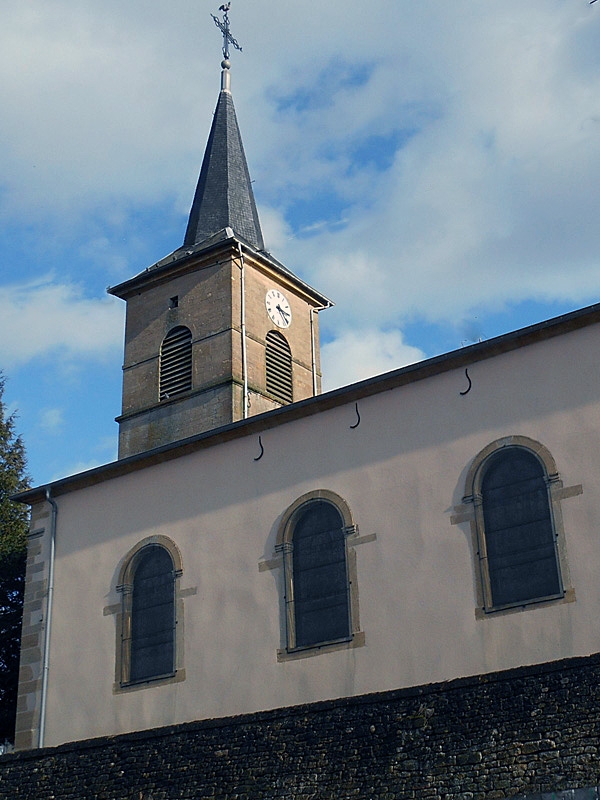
point(414, 160)
point(491, 195)
point(276, 231)
point(76, 468)
point(494, 198)
point(52, 420)
point(107, 447)
point(42, 318)
point(95, 101)
point(359, 354)
point(104, 449)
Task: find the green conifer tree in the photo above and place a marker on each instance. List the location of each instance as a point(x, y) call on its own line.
point(13, 543)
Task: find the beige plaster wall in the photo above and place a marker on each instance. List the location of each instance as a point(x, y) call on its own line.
point(402, 472)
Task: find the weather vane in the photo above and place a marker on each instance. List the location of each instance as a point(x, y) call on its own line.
point(224, 28)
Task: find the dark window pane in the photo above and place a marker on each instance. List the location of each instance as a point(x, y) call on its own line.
point(520, 542)
point(320, 577)
point(153, 615)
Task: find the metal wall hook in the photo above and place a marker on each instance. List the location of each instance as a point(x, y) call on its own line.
point(468, 389)
point(262, 449)
point(357, 423)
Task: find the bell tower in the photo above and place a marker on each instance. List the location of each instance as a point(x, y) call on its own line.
point(219, 329)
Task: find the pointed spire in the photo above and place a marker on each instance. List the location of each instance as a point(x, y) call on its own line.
point(224, 196)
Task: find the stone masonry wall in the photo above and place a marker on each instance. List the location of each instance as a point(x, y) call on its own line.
point(528, 733)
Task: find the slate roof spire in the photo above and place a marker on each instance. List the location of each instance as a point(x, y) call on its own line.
point(224, 196)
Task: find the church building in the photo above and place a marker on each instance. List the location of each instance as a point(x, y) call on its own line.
point(260, 545)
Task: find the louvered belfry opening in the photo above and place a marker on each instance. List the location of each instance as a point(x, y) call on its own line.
point(519, 535)
point(176, 363)
point(279, 367)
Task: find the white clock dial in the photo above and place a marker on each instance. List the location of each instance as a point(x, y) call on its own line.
point(278, 308)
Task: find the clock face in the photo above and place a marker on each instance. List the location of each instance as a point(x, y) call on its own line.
point(278, 308)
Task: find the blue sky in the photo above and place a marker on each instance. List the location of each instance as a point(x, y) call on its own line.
point(432, 167)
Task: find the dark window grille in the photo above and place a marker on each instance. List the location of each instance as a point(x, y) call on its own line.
point(519, 533)
point(321, 599)
point(153, 616)
point(176, 363)
point(278, 358)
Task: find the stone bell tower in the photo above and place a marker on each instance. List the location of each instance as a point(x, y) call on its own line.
point(219, 329)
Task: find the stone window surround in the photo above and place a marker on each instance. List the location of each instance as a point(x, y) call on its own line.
point(283, 557)
point(122, 611)
point(471, 510)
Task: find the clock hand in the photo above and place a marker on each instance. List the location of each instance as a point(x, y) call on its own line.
point(284, 314)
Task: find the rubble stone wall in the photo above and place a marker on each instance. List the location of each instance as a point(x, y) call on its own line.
point(528, 734)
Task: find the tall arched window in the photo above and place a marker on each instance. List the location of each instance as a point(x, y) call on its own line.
point(317, 537)
point(148, 616)
point(278, 362)
point(522, 561)
point(153, 615)
point(513, 502)
point(320, 576)
point(175, 363)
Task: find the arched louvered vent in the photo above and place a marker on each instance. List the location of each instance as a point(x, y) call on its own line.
point(279, 367)
point(176, 363)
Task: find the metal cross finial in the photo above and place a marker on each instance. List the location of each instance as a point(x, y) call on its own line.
point(224, 28)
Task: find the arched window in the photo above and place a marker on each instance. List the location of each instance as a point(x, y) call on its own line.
point(320, 576)
point(513, 502)
point(317, 537)
point(175, 363)
point(522, 561)
point(152, 615)
point(148, 617)
point(278, 361)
